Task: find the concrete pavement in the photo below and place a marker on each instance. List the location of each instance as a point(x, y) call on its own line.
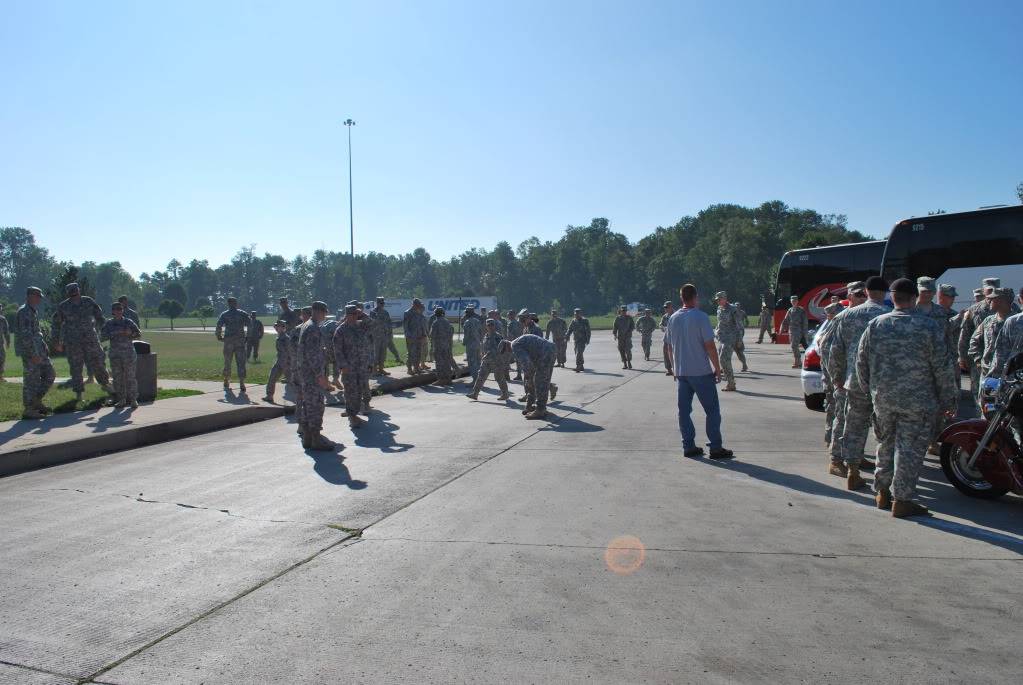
point(456, 541)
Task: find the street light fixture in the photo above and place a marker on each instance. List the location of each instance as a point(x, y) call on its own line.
point(351, 223)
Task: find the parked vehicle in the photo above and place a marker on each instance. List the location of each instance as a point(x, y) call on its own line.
point(982, 457)
point(811, 377)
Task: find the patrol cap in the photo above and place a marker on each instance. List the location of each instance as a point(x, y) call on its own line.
point(523, 312)
point(1000, 292)
point(992, 283)
point(380, 299)
point(668, 303)
point(122, 297)
point(977, 292)
point(307, 310)
point(877, 283)
point(926, 283)
point(623, 308)
point(647, 310)
point(948, 289)
point(350, 309)
point(283, 298)
point(71, 287)
point(254, 313)
point(904, 286)
point(834, 308)
point(720, 294)
point(856, 287)
point(470, 307)
point(232, 298)
point(438, 310)
point(794, 298)
point(281, 322)
point(490, 323)
point(577, 310)
point(116, 305)
point(416, 300)
point(319, 306)
point(32, 290)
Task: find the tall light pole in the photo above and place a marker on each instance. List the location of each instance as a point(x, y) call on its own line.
point(351, 222)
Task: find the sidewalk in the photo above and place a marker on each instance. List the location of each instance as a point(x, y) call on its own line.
point(31, 444)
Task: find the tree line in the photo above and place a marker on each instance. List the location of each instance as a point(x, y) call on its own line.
point(724, 247)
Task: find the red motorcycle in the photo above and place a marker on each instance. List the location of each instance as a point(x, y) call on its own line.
point(983, 457)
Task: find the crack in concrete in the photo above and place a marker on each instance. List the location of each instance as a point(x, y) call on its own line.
point(35, 669)
point(692, 550)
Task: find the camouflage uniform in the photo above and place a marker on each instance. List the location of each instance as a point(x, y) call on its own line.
point(797, 324)
point(849, 327)
point(472, 333)
point(29, 343)
point(515, 329)
point(727, 333)
point(940, 315)
point(580, 328)
point(532, 328)
point(492, 362)
point(664, 345)
point(413, 324)
point(253, 334)
point(622, 331)
point(902, 361)
point(353, 346)
point(383, 335)
point(829, 387)
point(291, 318)
point(121, 332)
point(282, 365)
point(557, 330)
point(132, 316)
point(442, 337)
point(972, 319)
point(646, 325)
point(740, 344)
point(5, 342)
point(74, 327)
point(310, 361)
point(536, 359)
point(293, 373)
point(1008, 344)
point(766, 316)
point(834, 401)
point(983, 344)
point(502, 326)
point(231, 330)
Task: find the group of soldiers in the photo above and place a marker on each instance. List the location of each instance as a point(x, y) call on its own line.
point(898, 368)
point(78, 327)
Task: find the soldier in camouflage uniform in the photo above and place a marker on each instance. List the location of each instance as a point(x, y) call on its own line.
point(516, 326)
point(622, 330)
point(848, 328)
point(766, 316)
point(310, 362)
point(857, 295)
point(253, 334)
point(927, 288)
point(383, 335)
point(983, 343)
point(74, 328)
point(902, 362)
point(472, 337)
point(289, 316)
point(533, 325)
point(5, 342)
point(414, 326)
point(646, 325)
point(331, 370)
point(831, 311)
point(972, 319)
point(557, 330)
point(352, 349)
point(35, 358)
point(669, 309)
point(121, 331)
point(129, 313)
point(536, 359)
point(797, 323)
point(442, 336)
point(740, 344)
point(727, 333)
point(496, 359)
point(946, 298)
point(1008, 344)
point(282, 365)
point(231, 327)
point(502, 325)
point(304, 314)
point(579, 329)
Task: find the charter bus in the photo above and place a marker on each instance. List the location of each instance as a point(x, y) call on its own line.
point(961, 249)
point(817, 273)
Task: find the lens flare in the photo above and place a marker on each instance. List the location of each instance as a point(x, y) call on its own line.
point(624, 555)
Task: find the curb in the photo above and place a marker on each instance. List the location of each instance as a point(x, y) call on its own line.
point(32, 458)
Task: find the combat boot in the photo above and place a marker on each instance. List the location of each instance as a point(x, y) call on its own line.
point(41, 408)
point(108, 389)
point(866, 465)
point(241, 387)
point(839, 469)
point(32, 413)
point(355, 422)
point(853, 480)
point(729, 388)
point(319, 443)
point(301, 429)
point(134, 404)
point(120, 404)
point(307, 438)
point(524, 398)
point(504, 396)
point(884, 500)
point(78, 397)
point(528, 410)
point(903, 508)
point(365, 409)
point(473, 396)
point(269, 399)
point(227, 382)
point(539, 413)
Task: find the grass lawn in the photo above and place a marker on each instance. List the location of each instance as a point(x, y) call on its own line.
point(197, 356)
point(61, 401)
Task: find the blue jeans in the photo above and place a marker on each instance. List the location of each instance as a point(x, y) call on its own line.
point(703, 388)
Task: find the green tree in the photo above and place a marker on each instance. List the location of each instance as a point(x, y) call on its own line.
point(172, 309)
point(203, 312)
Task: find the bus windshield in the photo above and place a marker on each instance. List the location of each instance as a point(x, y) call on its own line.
point(817, 273)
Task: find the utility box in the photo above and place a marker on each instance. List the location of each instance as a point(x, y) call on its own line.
point(145, 370)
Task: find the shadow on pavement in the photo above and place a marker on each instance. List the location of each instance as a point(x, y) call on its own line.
point(231, 398)
point(565, 424)
point(113, 419)
point(768, 395)
point(945, 505)
point(378, 433)
point(329, 467)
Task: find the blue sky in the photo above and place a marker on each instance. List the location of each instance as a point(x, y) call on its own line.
point(145, 131)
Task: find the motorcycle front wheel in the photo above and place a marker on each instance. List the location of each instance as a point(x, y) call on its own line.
point(970, 482)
